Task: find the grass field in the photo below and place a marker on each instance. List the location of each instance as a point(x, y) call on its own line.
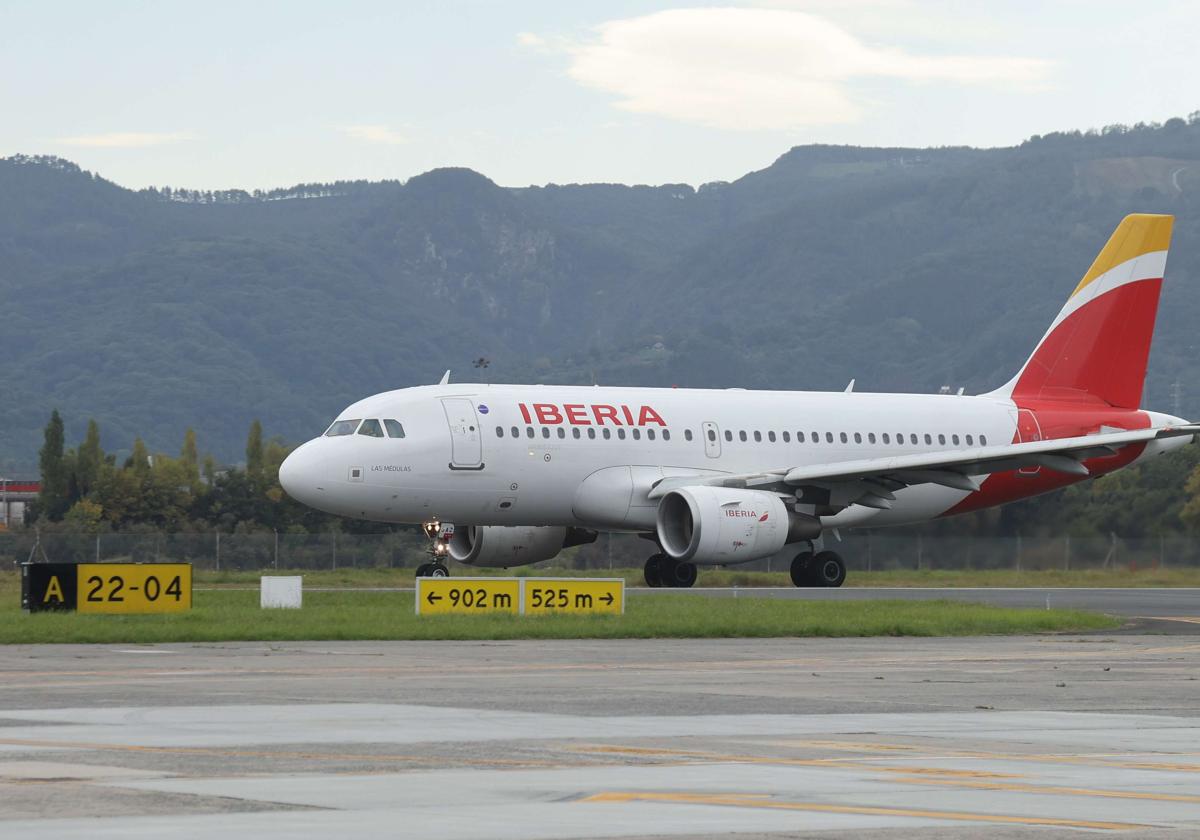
point(733, 577)
point(235, 616)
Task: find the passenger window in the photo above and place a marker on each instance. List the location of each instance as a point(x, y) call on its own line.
point(575, 433)
point(870, 437)
point(529, 431)
point(621, 434)
point(545, 431)
point(728, 436)
point(742, 437)
point(787, 437)
point(341, 428)
point(758, 437)
point(844, 438)
point(829, 437)
point(857, 437)
point(687, 434)
point(499, 431)
point(771, 437)
point(928, 440)
point(562, 433)
point(886, 439)
point(982, 440)
point(666, 434)
point(516, 432)
point(394, 428)
point(970, 441)
point(942, 440)
point(799, 437)
point(371, 428)
point(954, 439)
point(650, 434)
point(591, 434)
point(637, 434)
point(608, 434)
point(913, 438)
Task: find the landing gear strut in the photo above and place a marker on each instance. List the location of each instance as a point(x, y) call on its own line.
point(825, 568)
point(661, 570)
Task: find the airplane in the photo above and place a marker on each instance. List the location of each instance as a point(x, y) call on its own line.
point(720, 477)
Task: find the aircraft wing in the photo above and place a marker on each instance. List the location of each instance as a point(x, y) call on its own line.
point(872, 481)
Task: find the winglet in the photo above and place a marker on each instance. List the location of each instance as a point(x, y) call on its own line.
point(445, 378)
point(849, 387)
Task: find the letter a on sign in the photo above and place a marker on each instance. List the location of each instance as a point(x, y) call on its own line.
point(53, 591)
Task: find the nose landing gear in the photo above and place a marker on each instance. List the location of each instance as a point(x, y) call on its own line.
point(439, 535)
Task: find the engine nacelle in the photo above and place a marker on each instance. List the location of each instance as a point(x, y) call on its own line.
point(507, 545)
point(718, 525)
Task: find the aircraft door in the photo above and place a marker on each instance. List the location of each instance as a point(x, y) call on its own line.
point(1028, 431)
point(466, 440)
point(712, 439)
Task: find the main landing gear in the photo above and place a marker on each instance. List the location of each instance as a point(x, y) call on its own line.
point(825, 568)
point(662, 571)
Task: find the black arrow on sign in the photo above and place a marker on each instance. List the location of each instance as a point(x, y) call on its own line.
point(433, 599)
point(608, 599)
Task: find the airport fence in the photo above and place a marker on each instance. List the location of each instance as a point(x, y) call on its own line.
point(862, 551)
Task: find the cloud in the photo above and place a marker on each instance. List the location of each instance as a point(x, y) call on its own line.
point(756, 68)
point(373, 134)
point(125, 139)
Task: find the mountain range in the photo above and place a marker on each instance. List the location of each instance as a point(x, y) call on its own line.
point(905, 269)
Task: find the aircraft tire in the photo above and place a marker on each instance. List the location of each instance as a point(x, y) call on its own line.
point(422, 570)
point(677, 575)
point(653, 570)
point(438, 570)
point(802, 570)
point(829, 569)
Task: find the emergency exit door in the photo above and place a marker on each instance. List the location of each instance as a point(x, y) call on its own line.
point(712, 439)
point(466, 442)
point(1028, 431)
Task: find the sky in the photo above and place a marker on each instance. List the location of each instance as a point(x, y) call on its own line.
point(265, 93)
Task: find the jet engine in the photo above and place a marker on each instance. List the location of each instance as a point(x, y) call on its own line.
point(719, 525)
point(506, 545)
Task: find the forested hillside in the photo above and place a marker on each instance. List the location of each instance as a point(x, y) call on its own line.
point(908, 269)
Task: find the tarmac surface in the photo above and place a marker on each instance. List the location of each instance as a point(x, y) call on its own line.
point(840, 738)
point(1175, 602)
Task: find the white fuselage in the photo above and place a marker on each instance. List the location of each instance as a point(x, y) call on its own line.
point(580, 456)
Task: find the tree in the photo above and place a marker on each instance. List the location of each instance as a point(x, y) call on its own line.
point(52, 501)
point(89, 460)
point(139, 460)
point(254, 453)
point(190, 458)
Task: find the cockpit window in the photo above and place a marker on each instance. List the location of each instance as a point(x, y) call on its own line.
point(342, 427)
point(394, 428)
point(371, 428)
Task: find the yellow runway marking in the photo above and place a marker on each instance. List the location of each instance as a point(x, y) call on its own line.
point(1062, 791)
point(757, 801)
point(866, 762)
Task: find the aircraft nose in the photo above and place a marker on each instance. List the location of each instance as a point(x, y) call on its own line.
point(300, 474)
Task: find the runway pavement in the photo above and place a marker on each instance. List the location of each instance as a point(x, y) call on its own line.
point(843, 738)
point(1179, 602)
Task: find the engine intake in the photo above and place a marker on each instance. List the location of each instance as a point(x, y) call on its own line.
point(502, 546)
point(718, 525)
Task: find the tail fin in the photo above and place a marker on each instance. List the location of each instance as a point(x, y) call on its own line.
point(1097, 347)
